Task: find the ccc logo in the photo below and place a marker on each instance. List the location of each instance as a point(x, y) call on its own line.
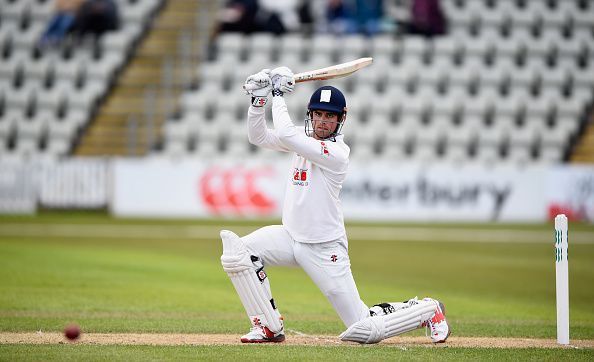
point(234, 192)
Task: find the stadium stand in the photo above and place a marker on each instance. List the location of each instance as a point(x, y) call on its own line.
point(512, 83)
point(48, 96)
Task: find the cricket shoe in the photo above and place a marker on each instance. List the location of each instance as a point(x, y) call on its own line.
point(437, 324)
point(261, 334)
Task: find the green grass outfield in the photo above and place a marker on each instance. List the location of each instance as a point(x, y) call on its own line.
point(164, 276)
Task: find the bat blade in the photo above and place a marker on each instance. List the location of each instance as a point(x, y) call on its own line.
point(331, 72)
point(334, 71)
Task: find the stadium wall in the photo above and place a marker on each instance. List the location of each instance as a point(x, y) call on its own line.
point(377, 191)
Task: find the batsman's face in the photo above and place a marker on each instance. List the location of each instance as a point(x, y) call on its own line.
point(324, 123)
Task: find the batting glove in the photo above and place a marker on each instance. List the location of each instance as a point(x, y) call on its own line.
point(258, 86)
point(282, 81)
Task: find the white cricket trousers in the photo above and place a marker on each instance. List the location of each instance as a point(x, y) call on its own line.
point(327, 264)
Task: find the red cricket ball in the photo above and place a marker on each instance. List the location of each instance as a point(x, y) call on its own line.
point(72, 331)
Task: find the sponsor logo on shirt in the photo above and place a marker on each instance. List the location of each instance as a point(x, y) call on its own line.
point(324, 151)
point(300, 177)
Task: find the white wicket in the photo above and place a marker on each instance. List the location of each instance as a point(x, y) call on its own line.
point(562, 279)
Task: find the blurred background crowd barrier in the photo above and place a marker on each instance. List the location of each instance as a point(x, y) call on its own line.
point(376, 191)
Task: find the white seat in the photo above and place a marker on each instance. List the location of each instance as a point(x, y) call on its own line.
point(230, 43)
point(555, 77)
point(463, 75)
point(34, 128)
point(431, 135)
point(353, 46)
point(15, 9)
point(136, 12)
point(462, 136)
point(84, 98)
point(207, 144)
point(62, 130)
point(487, 154)
point(26, 148)
point(463, 16)
point(584, 77)
point(496, 75)
point(555, 137)
point(415, 46)
point(71, 69)
point(478, 106)
point(361, 152)
point(416, 106)
point(258, 58)
point(510, 106)
point(571, 108)
point(525, 77)
point(213, 72)
point(519, 155)
point(324, 44)
point(508, 47)
point(77, 116)
point(176, 131)
point(424, 153)
point(20, 98)
point(584, 19)
point(42, 11)
point(550, 154)
point(175, 148)
point(119, 41)
point(403, 74)
point(434, 75)
point(318, 60)
point(28, 38)
point(479, 47)
point(456, 153)
point(523, 137)
point(7, 126)
point(292, 44)
point(10, 67)
point(105, 67)
point(447, 46)
point(57, 147)
point(523, 18)
point(51, 99)
point(495, 17)
point(261, 43)
point(383, 45)
point(395, 142)
point(539, 107)
point(40, 68)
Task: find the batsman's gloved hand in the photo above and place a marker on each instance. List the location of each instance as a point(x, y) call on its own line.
point(282, 81)
point(259, 86)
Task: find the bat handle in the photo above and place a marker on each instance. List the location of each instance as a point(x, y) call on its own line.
point(250, 87)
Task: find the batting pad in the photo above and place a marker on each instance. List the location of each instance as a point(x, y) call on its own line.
point(377, 328)
point(247, 278)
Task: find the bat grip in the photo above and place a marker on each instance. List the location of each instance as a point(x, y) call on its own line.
point(250, 87)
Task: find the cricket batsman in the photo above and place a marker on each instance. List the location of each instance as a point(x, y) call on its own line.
point(312, 234)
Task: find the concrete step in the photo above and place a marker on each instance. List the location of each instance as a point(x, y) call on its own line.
point(108, 133)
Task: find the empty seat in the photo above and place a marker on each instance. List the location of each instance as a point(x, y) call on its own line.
point(33, 128)
point(292, 44)
point(261, 43)
point(383, 45)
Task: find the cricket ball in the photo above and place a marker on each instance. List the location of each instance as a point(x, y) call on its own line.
point(72, 331)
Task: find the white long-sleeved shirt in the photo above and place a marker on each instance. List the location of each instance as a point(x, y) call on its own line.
point(312, 211)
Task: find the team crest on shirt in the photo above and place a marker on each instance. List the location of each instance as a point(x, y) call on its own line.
point(324, 150)
point(300, 177)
